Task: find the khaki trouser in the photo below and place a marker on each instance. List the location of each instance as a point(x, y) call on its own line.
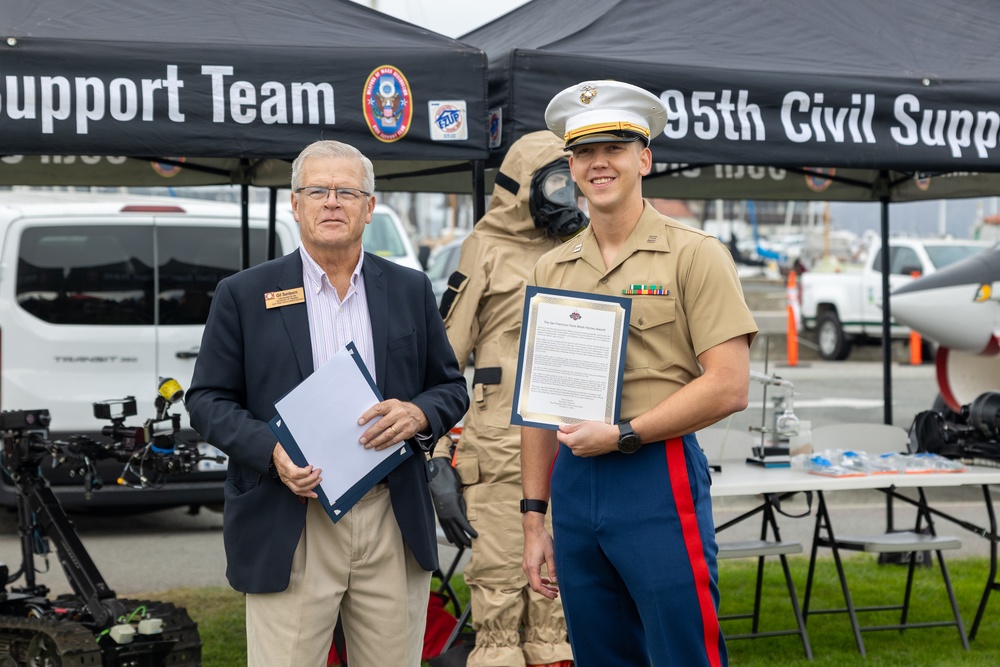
point(359, 567)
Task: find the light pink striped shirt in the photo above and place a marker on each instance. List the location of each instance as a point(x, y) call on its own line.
point(333, 323)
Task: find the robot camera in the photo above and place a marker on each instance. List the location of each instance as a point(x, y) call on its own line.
point(24, 420)
point(115, 409)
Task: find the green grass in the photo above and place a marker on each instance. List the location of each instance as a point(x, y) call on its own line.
point(219, 614)
point(871, 584)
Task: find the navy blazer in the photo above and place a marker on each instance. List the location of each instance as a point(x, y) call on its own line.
point(251, 356)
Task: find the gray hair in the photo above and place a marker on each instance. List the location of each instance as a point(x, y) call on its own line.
point(333, 149)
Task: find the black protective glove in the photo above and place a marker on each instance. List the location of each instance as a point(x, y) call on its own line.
point(446, 490)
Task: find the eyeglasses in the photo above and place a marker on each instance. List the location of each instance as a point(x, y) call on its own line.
point(343, 195)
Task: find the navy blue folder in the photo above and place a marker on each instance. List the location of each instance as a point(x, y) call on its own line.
point(338, 507)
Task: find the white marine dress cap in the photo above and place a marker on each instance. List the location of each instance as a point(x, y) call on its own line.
point(602, 111)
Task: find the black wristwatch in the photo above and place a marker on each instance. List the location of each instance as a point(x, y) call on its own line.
point(628, 441)
point(528, 505)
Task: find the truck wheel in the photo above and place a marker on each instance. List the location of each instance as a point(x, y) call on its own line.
point(833, 343)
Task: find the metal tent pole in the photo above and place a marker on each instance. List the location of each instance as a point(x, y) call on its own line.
point(886, 312)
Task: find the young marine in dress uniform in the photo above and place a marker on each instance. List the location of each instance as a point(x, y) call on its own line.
point(634, 551)
point(533, 208)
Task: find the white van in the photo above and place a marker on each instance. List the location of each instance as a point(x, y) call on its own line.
point(386, 236)
point(101, 295)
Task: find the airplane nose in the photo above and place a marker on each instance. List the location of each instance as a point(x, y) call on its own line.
point(949, 316)
point(948, 305)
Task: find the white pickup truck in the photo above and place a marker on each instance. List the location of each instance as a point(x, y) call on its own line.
point(843, 306)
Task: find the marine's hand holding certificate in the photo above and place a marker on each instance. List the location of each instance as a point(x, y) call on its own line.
point(571, 358)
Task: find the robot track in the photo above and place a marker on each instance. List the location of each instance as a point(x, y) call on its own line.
point(53, 642)
point(37, 642)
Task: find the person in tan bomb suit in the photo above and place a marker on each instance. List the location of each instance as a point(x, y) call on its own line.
point(533, 210)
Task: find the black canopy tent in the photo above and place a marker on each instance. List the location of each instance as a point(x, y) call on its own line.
point(100, 92)
point(896, 100)
point(844, 85)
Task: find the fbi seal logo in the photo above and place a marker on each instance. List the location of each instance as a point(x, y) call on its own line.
point(388, 104)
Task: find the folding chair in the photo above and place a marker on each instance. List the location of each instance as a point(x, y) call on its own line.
point(462, 638)
point(715, 442)
point(444, 576)
point(878, 439)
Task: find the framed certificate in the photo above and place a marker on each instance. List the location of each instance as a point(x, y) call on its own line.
point(571, 358)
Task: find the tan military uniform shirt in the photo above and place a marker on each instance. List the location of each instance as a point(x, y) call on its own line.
point(702, 305)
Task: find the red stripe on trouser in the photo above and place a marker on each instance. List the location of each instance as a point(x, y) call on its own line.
point(677, 467)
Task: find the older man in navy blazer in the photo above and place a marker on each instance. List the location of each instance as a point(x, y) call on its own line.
point(297, 567)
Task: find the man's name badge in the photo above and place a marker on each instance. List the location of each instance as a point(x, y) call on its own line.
point(284, 298)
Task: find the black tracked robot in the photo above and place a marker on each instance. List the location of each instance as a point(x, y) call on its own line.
point(90, 627)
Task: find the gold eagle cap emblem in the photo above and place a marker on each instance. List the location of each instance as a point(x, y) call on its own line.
point(587, 94)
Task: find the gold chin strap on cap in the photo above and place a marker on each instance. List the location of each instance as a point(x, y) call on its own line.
point(607, 127)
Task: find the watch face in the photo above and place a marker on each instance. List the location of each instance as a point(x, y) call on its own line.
point(629, 444)
point(628, 441)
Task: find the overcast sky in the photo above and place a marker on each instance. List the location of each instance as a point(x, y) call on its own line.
point(915, 218)
point(448, 17)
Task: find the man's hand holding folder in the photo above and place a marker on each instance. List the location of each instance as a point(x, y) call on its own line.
point(398, 422)
point(301, 481)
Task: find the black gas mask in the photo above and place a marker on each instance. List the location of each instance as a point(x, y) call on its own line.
point(552, 201)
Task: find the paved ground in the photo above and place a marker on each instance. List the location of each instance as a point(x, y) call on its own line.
point(171, 549)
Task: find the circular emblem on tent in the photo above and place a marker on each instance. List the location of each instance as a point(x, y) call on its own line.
point(587, 94)
point(167, 169)
point(387, 103)
point(817, 178)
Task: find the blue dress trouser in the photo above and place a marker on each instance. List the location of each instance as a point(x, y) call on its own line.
point(635, 557)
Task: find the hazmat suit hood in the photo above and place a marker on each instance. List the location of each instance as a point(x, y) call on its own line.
point(510, 212)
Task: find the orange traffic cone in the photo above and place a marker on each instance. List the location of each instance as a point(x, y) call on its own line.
point(916, 344)
point(792, 342)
